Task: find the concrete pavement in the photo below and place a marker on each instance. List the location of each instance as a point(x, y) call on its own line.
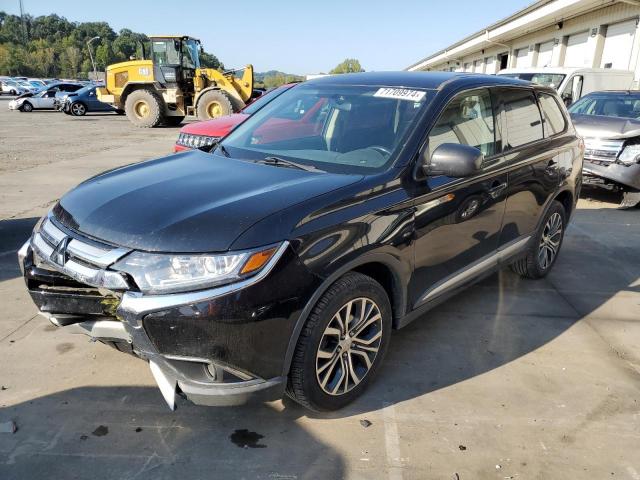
point(510, 379)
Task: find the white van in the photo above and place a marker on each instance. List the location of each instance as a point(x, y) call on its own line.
point(573, 83)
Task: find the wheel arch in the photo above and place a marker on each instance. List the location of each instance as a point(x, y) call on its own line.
point(565, 197)
point(384, 268)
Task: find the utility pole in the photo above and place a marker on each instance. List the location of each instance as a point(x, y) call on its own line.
point(95, 72)
point(24, 24)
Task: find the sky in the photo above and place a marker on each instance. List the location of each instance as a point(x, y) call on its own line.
point(299, 37)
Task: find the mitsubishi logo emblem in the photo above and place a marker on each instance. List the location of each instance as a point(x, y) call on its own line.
point(59, 255)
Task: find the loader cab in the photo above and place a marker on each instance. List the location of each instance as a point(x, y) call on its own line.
point(175, 60)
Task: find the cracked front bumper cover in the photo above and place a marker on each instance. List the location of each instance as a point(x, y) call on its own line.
point(203, 381)
point(624, 175)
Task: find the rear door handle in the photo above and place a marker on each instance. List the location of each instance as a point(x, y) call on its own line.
point(496, 189)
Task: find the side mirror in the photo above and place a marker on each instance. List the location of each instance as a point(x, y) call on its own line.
point(567, 98)
point(453, 160)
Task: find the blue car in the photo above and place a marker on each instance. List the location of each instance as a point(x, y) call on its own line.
point(83, 101)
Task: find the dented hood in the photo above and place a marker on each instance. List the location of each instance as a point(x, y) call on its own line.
point(599, 126)
point(188, 202)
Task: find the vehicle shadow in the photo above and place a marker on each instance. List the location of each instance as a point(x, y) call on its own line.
point(505, 317)
point(13, 233)
point(127, 432)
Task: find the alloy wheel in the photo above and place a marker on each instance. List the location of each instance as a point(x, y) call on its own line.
point(77, 109)
point(550, 241)
point(349, 346)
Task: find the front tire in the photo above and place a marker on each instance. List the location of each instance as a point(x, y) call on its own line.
point(78, 109)
point(545, 246)
point(214, 104)
point(341, 345)
point(26, 107)
point(144, 108)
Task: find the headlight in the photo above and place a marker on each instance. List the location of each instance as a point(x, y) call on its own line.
point(167, 273)
point(195, 141)
point(630, 154)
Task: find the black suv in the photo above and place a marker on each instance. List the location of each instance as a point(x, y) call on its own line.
point(281, 260)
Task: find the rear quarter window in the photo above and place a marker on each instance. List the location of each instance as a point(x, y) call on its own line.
point(524, 124)
point(552, 118)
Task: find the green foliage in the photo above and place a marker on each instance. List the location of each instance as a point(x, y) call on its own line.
point(349, 65)
point(274, 78)
point(52, 46)
point(209, 60)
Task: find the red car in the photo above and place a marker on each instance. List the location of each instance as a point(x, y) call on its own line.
point(201, 134)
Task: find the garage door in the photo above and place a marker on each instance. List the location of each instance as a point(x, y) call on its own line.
point(522, 58)
point(545, 54)
point(577, 54)
point(618, 44)
point(490, 63)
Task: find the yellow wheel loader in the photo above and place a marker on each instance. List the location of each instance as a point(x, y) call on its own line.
point(169, 84)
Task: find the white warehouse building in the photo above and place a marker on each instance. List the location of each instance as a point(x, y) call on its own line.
point(550, 33)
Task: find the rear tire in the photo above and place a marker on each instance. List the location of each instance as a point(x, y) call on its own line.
point(144, 108)
point(214, 104)
point(26, 107)
point(545, 246)
point(336, 357)
point(173, 121)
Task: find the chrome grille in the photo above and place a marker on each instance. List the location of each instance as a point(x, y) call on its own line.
point(601, 150)
point(81, 260)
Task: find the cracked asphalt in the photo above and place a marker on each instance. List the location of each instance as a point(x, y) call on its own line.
point(511, 379)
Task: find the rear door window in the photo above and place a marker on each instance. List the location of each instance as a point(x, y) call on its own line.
point(552, 117)
point(522, 116)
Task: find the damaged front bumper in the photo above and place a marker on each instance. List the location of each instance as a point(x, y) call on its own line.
point(73, 297)
point(611, 175)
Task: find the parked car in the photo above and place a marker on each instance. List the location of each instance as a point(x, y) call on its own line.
point(11, 87)
point(573, 83)
point(82, 101)
point(43, 99)
point(37, 83)
point(207, 132)
point(610, 124)
point(298, 250)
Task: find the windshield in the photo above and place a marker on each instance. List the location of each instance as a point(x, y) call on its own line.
point(190, 53)
point(621, 105)
point(84, 90)
point(552, 80)
point(341, 129)
point(265, 98)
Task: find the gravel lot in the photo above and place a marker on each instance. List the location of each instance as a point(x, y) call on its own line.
point(512, 379)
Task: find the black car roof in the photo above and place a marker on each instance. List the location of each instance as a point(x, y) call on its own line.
point(429, 80)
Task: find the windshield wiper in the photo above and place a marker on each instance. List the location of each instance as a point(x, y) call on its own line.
point(223, 150)
point(281, 162)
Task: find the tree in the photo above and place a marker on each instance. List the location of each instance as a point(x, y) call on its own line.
point(209, 60)
point(349, 65)
point(57, 47)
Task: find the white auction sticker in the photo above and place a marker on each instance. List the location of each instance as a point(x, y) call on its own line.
point(400, 94)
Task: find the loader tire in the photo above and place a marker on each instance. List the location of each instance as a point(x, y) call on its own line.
point(214, 104)
point(144, 108)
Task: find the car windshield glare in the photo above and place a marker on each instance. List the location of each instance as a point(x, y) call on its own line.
point(335, 128)
point(620, 105)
